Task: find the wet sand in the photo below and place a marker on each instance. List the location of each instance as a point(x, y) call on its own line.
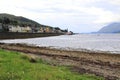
point(97, 63)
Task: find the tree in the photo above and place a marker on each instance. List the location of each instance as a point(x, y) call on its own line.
point(6, 20)
point(57, 28)
point(15, 22)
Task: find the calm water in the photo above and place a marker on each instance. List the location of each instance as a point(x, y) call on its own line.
point(93, 42)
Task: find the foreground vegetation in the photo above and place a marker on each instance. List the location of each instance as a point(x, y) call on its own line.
point(16, 66)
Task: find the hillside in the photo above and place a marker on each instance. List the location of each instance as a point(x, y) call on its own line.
point(111, 28)
point(17, 20)
point(12, 23)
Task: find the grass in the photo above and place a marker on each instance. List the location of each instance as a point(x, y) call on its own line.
point(16, 66)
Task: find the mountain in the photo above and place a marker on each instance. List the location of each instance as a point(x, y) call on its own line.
point(111, 28)
point(18, 20)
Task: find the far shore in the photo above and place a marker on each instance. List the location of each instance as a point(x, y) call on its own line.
point(99, 64)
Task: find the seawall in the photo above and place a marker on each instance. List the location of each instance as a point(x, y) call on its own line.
point(16, 35)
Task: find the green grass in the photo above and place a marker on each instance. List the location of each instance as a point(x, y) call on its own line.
point(16, 66)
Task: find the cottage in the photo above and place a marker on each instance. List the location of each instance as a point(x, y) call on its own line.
point(41, 30)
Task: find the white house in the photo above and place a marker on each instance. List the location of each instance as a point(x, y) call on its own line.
point(14, 28)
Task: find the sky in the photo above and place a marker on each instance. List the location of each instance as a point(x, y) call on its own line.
point(80, 16)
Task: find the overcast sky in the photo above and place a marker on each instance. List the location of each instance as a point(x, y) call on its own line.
point(76, 15)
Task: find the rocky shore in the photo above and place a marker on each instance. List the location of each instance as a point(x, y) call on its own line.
point(99, 64)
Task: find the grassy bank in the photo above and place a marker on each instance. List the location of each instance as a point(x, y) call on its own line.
point(16, 66)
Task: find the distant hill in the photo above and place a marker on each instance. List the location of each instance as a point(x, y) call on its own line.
point(8, 20)
point(111, 28)
point(18, 20)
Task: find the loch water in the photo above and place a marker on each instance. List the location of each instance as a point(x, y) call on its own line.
point(93, 42)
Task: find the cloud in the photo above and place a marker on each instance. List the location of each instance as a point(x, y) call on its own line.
point(65, 12)
point(115, 2)
point(103, 16)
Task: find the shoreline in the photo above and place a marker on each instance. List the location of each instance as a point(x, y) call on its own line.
point(81, 50)
point(63, 48)
point(99, 64)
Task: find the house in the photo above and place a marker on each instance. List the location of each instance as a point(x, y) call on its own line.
point(35, 30)
point(48, 30)
point(13, 28)
point(41, 30)
point(26, 29)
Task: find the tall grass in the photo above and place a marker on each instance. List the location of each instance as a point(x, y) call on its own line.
point(15, 66)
